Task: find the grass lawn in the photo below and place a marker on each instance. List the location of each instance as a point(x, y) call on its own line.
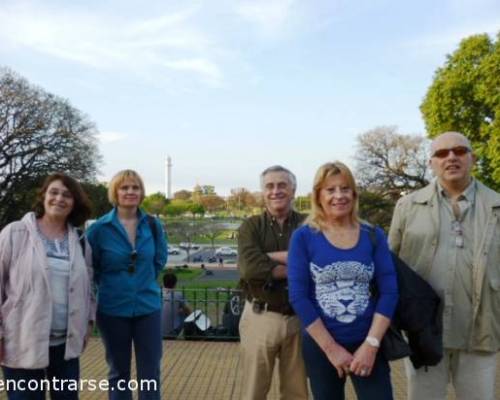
point(184, 275)
point(187, 279)
point(226, 238)
point(208, 284)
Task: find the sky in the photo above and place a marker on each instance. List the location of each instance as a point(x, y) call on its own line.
point(230, 87)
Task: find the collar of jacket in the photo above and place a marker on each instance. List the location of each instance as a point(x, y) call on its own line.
point(29, 221)
point(426, 194)
point(112, 216)
point(290, 218)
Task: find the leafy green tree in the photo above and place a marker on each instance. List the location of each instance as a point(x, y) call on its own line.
point(465, 97)
point(303, 203)
point(98, 195)
point(212, 202)
point(196, 209)
point(241, 198)
point(208, 190)
point(212, 230)
point(179, 207)
point(40, 133)
point(155, 203)
point(182, 195)
point(176, 208)
point(173, 210)
point(376, 208)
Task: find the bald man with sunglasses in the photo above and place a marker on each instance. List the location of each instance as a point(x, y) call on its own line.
point(449, 232)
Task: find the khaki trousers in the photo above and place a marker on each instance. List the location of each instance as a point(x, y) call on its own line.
point(265, 337)
point(472, 375)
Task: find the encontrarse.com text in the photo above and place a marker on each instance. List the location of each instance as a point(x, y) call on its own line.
point(91, 385)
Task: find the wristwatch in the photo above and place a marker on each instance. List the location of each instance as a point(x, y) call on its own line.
point(373, 341)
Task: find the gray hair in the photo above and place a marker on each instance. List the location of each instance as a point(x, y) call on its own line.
point(278, 168)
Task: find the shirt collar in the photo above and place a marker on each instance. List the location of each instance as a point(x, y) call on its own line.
point(274, 220)
point(468, 194)
point(113, 215)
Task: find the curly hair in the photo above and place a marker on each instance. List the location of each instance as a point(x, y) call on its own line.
point(81, 207)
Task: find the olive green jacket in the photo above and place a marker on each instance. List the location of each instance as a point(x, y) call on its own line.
point(259, 235)
point(414, 237)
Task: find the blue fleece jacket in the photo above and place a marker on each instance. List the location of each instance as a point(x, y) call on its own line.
point(334, 284)
point(119, 291)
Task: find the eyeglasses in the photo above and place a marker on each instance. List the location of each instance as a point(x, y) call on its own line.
point(457, 150)
point(133, 259)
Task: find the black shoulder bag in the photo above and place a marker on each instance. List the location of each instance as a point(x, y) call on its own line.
point(393, 346)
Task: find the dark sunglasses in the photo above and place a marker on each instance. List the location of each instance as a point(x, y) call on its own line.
point(458, 151)
point(133, 259)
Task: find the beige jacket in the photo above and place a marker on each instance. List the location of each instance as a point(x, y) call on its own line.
point(26, 300)
point(414, 237)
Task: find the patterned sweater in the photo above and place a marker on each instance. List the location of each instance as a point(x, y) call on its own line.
point(334, 284)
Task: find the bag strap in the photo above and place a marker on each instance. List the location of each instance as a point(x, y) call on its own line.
point(373, 236)
point(373, 239)
point(153, 227)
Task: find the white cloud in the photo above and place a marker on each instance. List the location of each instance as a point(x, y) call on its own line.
point(110, 137)
point(207, 69)
point(269, 16)
point(195, 41)
point(113, 43)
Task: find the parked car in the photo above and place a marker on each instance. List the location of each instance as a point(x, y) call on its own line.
point(186, 245)
point(226, 251)
point(173, 250)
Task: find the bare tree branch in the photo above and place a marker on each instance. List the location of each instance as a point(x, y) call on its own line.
point(389, 163)
point(39, 134)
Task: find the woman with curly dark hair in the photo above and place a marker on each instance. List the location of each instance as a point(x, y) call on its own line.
point(48, 308)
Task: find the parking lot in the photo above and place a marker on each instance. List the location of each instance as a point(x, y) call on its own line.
point(202, 254)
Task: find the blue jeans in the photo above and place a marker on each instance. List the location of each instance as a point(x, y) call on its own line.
point(58, 368)
point(326, 384)
point(118, 334)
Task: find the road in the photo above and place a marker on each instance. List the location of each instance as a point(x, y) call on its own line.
point(221, 274)
point(202, 255)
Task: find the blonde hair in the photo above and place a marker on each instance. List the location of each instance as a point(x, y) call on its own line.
point(118, 179)
point(317, 218)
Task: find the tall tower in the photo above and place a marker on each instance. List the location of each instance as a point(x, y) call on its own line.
point(168, 177)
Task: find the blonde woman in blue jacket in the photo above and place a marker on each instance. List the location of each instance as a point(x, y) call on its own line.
point(129, 250)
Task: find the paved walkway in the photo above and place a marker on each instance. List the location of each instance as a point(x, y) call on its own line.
point(206, 371)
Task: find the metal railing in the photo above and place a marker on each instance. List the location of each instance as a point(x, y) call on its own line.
point(215, 314)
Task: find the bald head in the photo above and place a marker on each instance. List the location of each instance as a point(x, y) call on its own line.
point(452, 161)
point(444, 139)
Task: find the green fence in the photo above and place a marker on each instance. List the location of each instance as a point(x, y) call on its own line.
point(215, 313)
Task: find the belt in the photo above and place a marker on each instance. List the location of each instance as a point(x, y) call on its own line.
point(261, 306)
